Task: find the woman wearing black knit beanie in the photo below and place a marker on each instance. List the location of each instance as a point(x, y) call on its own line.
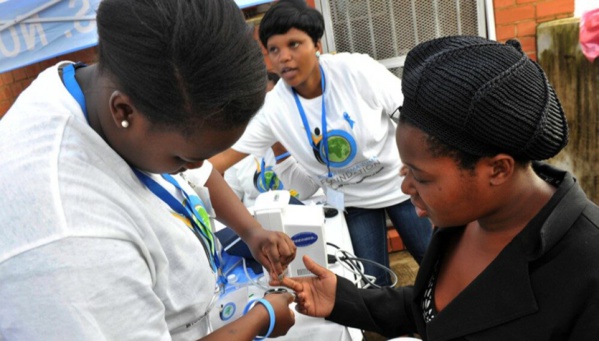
point(515, 252)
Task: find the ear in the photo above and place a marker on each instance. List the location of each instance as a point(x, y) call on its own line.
point(319, 45)
point(501, 169)
point(121, 108)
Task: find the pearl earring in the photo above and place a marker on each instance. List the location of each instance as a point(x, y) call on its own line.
point(125, 124)
point(317, 54)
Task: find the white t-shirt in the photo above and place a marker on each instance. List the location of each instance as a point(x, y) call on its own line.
point(360, 94)
point(87, 252)
point(246, 180)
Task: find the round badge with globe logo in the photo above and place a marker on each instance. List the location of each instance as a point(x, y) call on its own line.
point(227, 311)
point(342, 148)
point(268, 182)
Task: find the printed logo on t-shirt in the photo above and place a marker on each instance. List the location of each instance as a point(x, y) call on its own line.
point(270, 180)
point(354, 174)
point(342, 148)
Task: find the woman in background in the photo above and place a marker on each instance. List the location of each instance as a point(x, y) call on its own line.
point(331, 112)
point(254, 175)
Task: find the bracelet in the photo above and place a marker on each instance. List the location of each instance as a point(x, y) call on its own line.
point(271, 315)
point(282, 156)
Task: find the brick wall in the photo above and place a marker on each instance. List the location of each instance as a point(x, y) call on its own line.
point(13, 82)
point(513, 19)
point(519, 19)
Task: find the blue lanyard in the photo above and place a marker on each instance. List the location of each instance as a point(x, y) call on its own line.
point(200, 228)
point(202, 231)
point(272, 183)
point(325, 136)
point(267, 186)
point(68, 77)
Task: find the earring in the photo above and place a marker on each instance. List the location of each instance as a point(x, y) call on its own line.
point(125, 124)
point(317, 54)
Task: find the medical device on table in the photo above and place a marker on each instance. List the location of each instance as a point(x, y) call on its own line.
point(303, 224)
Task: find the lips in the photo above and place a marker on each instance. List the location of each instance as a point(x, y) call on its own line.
point(421, 212)
point(288, 72)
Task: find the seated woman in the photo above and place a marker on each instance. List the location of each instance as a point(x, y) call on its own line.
point(515, 251)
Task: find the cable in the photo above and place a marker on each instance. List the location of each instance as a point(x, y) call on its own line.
point(355, 266)
point(254, 282)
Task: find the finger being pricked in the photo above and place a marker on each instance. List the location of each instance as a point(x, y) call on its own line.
point(292, 284)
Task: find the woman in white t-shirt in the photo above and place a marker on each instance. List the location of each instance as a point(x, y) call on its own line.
point(254, 175)
point(346, 100)
point(100, 238)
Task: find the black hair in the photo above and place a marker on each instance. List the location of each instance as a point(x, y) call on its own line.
point(183, 63)
point(273, 77)
point(287, 14)
point(463, 160)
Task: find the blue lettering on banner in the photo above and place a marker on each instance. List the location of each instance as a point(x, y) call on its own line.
point(303, 239)
point(35, 30)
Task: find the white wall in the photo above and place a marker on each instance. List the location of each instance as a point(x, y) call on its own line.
point(580, 6)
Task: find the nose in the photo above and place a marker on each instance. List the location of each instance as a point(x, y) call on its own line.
point(407, 185)
point(192, 165)
point(284, 55)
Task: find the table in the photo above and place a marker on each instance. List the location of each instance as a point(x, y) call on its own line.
point(310, 328)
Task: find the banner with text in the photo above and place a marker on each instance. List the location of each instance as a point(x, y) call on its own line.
point(35, 30)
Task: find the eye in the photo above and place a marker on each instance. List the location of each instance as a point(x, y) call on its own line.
point(419, 180)
point(294, 44)
point(273, 50)
point(406, 171)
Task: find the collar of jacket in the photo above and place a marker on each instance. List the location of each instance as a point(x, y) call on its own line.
point(503, 289)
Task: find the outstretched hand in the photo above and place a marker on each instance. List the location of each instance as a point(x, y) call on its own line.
point(274, 250)
point(315, 296)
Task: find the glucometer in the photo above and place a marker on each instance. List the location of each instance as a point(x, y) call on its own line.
point(302, 223)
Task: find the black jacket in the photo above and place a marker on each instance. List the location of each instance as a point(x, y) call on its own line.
point(543, 286)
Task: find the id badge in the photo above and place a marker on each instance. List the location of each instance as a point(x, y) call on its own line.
point(204, 194)
point(335, 198)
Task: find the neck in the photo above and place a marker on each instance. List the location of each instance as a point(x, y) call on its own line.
point(312, 87)
point(92, 85)
point(523, 201)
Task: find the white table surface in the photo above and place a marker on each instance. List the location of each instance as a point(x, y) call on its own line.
point(308, 328)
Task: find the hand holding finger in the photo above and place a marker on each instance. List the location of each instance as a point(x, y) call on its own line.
point(285, 318)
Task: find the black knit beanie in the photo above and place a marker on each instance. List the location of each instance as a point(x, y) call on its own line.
point(482, 97)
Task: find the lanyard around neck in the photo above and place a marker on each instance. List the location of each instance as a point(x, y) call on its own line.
point(268, 185)
point(199, 228)
point(187, 209)
point(302, 113)
point(68, 77)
